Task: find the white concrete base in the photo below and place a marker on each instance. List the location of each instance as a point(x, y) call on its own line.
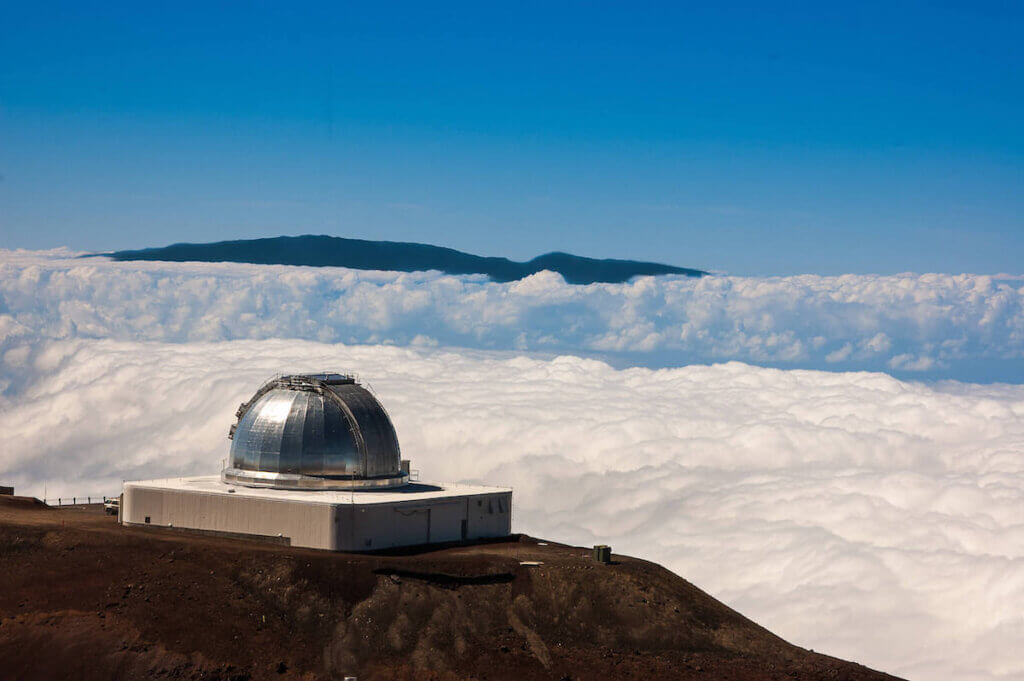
point(418, 513)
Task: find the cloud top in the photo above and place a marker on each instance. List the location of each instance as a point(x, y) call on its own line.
point(933, 325)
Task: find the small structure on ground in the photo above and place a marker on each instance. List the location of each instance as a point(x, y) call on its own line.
point(7, 490)
point(315, 462)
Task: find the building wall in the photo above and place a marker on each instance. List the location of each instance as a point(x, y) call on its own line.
point(304, 524)
point(489, 515)
point(369, 527)
point(337, 527)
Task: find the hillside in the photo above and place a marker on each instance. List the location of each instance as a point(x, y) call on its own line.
point(323, 251)
point(83, 598)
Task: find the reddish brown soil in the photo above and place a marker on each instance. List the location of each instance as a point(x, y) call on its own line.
point(83, 598)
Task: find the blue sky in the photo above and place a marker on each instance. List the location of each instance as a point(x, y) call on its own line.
point(749, 138)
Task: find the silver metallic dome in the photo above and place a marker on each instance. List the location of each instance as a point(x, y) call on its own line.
point(315, 431)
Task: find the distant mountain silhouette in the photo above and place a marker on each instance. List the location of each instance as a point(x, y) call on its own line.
point(330, 251)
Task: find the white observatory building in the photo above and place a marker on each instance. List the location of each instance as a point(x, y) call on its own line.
point(315, 462)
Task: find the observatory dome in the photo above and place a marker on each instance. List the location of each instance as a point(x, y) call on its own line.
point(314, 431)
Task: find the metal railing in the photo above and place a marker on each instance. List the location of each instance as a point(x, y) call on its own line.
point(78, 501)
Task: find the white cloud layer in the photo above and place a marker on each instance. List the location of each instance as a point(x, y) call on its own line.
point(932, 325)
point(859, 515)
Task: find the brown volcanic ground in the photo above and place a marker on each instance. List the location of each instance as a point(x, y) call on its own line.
point(83, 598)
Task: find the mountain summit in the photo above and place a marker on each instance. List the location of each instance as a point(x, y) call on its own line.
point(331, 251)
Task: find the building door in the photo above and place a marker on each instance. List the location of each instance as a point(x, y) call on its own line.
point(412, 527)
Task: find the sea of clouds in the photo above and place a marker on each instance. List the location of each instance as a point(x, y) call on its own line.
point(933, 325)
point(867, 517)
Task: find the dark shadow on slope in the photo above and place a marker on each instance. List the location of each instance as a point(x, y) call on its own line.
point(446, 581)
